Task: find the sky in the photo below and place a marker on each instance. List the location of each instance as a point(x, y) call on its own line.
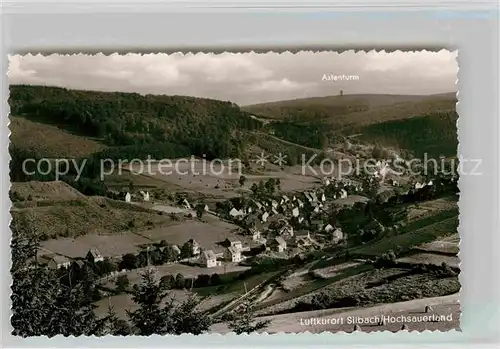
point(244, 78)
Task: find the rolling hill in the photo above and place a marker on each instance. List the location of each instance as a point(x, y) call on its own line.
point(418, 124)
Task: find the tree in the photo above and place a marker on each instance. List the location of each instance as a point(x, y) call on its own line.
point(242, 180)
point(167, 282)
point(244, 321)
point(122, 283)
point(200, 209)
point(156, 316)
point(129, 262)
point(187, 250)
point(180, 281)
point(41, 304)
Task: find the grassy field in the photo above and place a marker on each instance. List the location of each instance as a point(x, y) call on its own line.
point(61, 211)
point(206, 234)
point(51, 141)
point(410, 239)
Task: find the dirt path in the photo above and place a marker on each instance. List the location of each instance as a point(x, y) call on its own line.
point(298, 322)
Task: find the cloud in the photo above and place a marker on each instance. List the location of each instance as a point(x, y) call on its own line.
point(244, 78)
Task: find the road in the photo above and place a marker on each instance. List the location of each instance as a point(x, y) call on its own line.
point(334, 320)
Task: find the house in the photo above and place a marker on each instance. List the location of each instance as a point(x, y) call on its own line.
point(329, 228)
point(79, 264)
point(265, 216)
point(343, 194)
point(236, 213)
point(274, 204)
point(278, 244)
point(186, 204)
point(233, 254)
point(233, 242)
point(256, 234)
point(206, 208)
point(58, 262)
point(94, 255)
point(128, 197)
point(295, 212)
point(286, 230)
point(301, 204)
point(302, 238)
point(195, 247)
point(285, 198)
point(314, 197)
point(145, 195)
point(337, 235)
point(323, 197)
point(208, 259)
point(326, 181)
point(176, 249)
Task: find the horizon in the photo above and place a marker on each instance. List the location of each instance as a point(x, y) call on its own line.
point(242, 105)
point(245, 78)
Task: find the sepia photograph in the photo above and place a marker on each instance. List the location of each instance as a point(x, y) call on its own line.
point(234, 192)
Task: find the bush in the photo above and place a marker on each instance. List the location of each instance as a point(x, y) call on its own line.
point(122, 283)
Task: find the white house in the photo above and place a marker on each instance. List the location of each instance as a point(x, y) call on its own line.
point(233, 242)
point(186, 204)
point(278, 244)
point(323, 197)
point(301, 204)
point(343, 194)
point(337, 235)
point(233, 254)
point(58, 262)
point(295, 212)
point(255, 234)
point(236, 213)
point(208, 259)
point(94, 255)
point(195, 247)
point(326, 181)
point(128, 197)
point(274, 203)
point(314, 197)
point(265, 216)
point(329, 228)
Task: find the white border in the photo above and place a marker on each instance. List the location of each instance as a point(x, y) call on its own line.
point(192, 26)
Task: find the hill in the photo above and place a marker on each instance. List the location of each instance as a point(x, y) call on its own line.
point(197, 126)
point(61, 211)
point(53, 142)
point(352, 109)
point(418, 124)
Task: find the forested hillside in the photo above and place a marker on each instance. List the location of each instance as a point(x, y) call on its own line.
point(202, 126)
point(434, 134)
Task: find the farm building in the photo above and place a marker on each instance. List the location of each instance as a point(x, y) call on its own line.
point(94, 255)
point(128, 197)
point(208, 259)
